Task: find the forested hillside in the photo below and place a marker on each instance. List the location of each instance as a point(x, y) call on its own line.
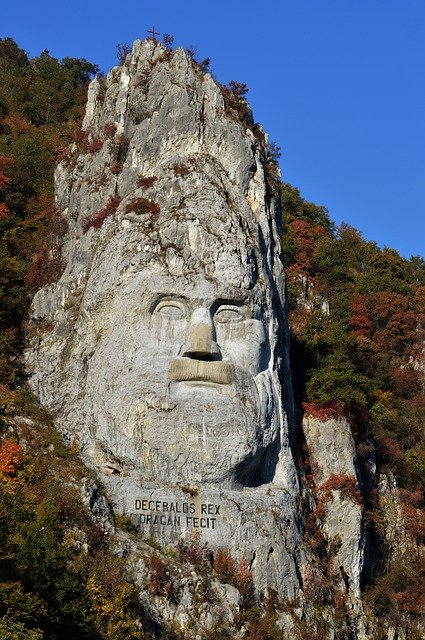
point(357, 318)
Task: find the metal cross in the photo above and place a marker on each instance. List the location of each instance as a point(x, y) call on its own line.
point(154, 33)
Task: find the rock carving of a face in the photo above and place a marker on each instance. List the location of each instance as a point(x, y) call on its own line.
point(163, 352)
point(178, 383)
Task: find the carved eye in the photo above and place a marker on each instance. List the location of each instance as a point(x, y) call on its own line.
point(172, 309)
point(229, 314)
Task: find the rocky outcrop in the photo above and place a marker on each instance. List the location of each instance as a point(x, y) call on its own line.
point(167, 361)
point(336, 475)
point(162, 351)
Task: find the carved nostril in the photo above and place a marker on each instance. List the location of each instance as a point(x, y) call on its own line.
point(202, 346)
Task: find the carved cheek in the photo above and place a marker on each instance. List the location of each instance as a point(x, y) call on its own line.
point(244, 343)
point(167, 334)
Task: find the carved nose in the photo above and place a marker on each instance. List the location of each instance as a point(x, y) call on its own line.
point(202, 345)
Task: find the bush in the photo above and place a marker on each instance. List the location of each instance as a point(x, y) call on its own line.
point(46, 267)
point(141, 206)
point(236, 574)
point(100, 216)
point(346, 485)
point(195, 553)
point(146, 182)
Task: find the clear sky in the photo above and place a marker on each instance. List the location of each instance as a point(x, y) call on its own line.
point(338, 84)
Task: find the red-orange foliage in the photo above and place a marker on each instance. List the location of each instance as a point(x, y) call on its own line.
point(110, 129)
point(116, 168)
point(414, 516)
point(146, 181)
point(95, 145)
point(330, 412)
point(360, 322)
point(10, 456)
point(390, 450)
point(4, 210)
point(414, 520)
point(195, 552)
point(235, 573)
point(394, 322)
point(16, 126)
point(408, 381)
point(100, 216)
point(81, 139)
point(224, 566)
point(346, 485)
point(44, 269)
point(47, 264)
point(142, 205)
point(5, 163)
point(160, 579)
point(61, 153)
point(306, 237)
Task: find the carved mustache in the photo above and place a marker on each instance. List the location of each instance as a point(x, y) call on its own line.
point(187, 369)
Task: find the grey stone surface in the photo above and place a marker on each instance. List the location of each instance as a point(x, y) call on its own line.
point(168, 360)
point(333, 456)
point(162, 351)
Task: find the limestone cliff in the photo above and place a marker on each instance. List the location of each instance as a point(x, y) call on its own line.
point(162, 351)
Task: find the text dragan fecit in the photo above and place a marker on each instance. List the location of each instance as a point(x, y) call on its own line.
point(176, 514)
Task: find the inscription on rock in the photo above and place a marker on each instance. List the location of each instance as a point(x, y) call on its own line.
point(178, 514)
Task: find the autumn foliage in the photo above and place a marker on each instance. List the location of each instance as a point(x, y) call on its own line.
point(99, 217)
point(10, 456)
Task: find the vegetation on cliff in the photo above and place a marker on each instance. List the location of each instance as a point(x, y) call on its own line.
point(357, 317)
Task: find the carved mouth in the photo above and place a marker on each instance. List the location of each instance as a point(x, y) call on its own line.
point(189, 370)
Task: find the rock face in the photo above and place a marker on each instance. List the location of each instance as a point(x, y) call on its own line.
point(163, 349)
point(337, 478)
point(166, 353)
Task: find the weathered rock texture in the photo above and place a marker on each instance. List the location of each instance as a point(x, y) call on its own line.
point(167, 355)
point(163, 349)
point(337, 478)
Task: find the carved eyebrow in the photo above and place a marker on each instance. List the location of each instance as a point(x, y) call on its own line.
point(173, 297)
point(231, 302)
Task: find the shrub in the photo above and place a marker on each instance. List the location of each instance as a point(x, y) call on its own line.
point(46, 267)
point(401, 591)
point(224, 566)
point(346, 485)
point(142, 205)
point(333, 412)
point(110, 129)
point(10, 457)
point(118, 148)
point(100, 216)
point(146, 182)
point(195, 552)
point(116, 168)
point(180, 169)
point(167, 40)
point(123, 49)
point(160, 579)
point(94, 146)
point(235, 101)
point(235, 573)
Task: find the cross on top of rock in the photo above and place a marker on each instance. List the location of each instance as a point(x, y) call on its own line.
point(154, 33)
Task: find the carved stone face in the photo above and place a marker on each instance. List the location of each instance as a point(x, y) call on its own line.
point(178, 385)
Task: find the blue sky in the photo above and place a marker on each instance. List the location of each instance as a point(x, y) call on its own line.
point(338, 84)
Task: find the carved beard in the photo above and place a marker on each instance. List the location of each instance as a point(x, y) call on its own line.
point(200, 434)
